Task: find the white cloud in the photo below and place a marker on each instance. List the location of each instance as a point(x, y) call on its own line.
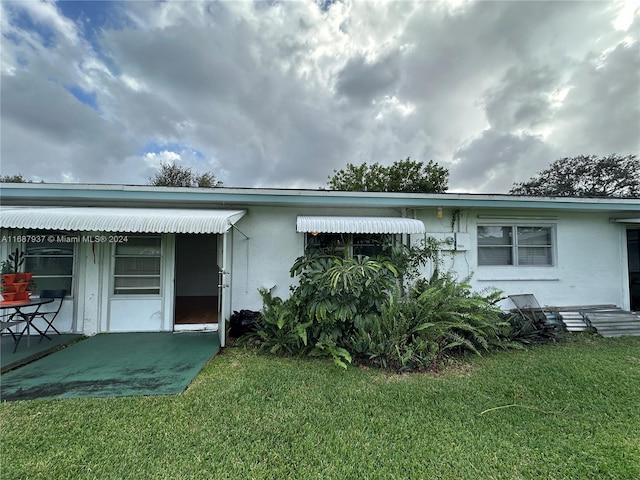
point(627, 11)
point(281, 94)
point(156, 159)
point(46, 14)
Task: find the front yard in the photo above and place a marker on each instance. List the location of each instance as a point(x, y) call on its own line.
point(568, 410)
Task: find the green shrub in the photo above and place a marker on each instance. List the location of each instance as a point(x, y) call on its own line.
point(399, 338)
point(280, 329)
point(438, 318)
point(348, 308)
point(333, 295)
point(465, 320)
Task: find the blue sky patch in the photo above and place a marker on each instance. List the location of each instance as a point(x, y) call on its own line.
point(88, 98)
point(154, 147)
point(91, 15)
point(91, 18)
point(22, 20)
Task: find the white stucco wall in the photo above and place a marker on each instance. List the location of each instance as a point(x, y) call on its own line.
point(590, 262)
point(264, 260)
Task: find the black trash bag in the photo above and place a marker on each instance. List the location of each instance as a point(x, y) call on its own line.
point(242, 322)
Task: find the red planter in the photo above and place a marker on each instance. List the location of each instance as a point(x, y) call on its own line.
point(24, 277)
point(9, 277)
point(14, 286)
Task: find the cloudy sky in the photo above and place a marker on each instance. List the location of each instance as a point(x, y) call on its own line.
point(281, 93)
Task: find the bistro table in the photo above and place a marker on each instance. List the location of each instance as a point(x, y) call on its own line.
point(23, 316)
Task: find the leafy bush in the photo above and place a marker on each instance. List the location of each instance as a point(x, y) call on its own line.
point(438, 318)
point(333, 295)
point(465, 320)
point(280, 330)
point(399, 338)
point(339, 291)
point(348, 308)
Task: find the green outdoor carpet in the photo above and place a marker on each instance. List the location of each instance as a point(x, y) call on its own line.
point(30, 351)
point(114, 365)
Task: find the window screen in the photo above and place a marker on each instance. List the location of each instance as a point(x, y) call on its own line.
point(50, 256)
point(137, 266)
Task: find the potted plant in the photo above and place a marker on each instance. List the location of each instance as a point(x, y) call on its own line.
point(14, 282)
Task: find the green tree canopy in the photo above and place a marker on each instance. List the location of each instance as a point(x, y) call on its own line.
point(173, 175)
point(403, 176)
point(585, 176)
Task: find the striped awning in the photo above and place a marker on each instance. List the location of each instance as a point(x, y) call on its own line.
point(131, 220)
point(309, 224)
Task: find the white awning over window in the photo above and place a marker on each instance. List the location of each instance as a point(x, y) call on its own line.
point(627, 220)
point(359, 225)
point(130, 220)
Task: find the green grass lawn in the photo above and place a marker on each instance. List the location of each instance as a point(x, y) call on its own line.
point(570, 410)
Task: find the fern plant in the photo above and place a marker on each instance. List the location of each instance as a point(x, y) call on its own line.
point(465, 320)
point(398, 338)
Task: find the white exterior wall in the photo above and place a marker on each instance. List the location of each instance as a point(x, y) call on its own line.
point(590, 265)
point(264, 260)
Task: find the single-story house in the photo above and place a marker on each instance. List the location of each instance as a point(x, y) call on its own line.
point(142, 258)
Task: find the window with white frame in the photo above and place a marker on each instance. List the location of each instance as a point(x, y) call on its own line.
point(50, 255)
point(516, 245)
point(351, 244)
point(137, 265)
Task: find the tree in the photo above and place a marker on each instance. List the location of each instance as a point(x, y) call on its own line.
point(585, 176)
point(172, 175)
point(403, 176)
point(13, 179)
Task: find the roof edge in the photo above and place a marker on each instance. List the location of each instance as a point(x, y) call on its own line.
point(104, 194)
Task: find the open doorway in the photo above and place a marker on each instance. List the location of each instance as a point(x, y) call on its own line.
point(633, 250)
point(196, 282)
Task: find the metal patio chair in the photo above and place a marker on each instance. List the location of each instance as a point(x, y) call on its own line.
point(50, 314)
point(7, 323)
point(527, 306)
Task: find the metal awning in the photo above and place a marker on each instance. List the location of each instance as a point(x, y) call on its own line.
point(627, 220)
point(130, 220)
point(359, 225)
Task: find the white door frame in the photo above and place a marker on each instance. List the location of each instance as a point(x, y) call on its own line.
point(225, 252)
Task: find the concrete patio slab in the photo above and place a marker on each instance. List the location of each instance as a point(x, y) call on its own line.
point(108, 365)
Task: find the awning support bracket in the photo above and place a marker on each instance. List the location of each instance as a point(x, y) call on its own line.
point(240, 231)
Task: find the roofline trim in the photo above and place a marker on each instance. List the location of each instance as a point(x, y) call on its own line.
point(80, 194)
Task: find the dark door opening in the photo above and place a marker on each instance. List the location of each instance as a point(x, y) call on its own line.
point(196, 280)
point(633, 251)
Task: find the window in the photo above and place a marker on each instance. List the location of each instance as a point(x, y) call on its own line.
point(49, 255)
point(351, 244)
point(137, 266)
point(515, 245)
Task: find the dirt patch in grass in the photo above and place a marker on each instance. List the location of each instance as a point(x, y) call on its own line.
point(633, 360)
point(452, 369)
